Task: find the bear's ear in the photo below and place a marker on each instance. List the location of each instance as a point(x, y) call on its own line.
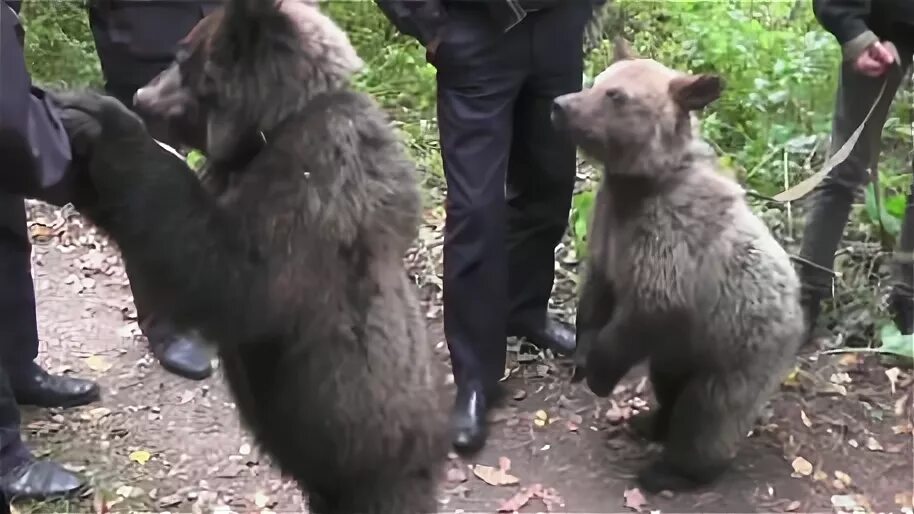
point(622, 50)
point(694, 92)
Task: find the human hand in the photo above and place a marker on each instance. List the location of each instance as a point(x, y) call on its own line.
point(876, 59)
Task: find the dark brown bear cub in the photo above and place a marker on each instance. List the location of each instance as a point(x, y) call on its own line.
point(290, 258)
point(680, 271)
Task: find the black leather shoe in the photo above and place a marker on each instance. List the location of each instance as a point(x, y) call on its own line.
point(39, 480)
point(184, 356)
point(469, 421)
point(37, 387)
point(553, 335)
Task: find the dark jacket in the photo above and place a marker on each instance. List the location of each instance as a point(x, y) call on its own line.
point(424, 19)
point(857, 24)
point(34, 147)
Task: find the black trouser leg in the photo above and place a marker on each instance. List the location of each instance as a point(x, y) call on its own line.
point(480, 72)
point(834, 195)
point(541, 167)
point(18, 322)
point(18, 325)
point(12, 451)
point(124, 74)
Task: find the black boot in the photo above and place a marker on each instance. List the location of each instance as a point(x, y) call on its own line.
point(469, 420)
point(551, 334)
point(35, 386)
point(38, 480)
point(184, 356)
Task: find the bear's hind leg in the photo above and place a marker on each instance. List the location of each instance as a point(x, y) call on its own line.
point(415, 493)
point(654, 424)
point(709, 420)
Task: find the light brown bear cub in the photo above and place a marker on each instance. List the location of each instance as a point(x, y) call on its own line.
point(680, 271)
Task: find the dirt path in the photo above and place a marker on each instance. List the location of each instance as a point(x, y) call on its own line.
point(157, 442)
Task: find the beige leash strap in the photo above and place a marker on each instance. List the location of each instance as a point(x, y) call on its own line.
point(170, 149)
point(803, 188)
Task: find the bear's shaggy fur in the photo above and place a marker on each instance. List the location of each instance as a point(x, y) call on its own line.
point(680, 271)
point(289, 259)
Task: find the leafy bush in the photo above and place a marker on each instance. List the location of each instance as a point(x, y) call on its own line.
point(771, 123)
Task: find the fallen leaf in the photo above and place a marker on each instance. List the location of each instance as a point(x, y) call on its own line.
point(849, 359)
point(615, 414)
point(892, 375)
point(517, 501)
point(540, 418)
point(802, 466)
point(186, 397)
point(97, 413)
point(456, 475)
point(820, 476)
point(905, 500)
point(127, 491)
point(840, 378)
point(805, 419)
point(504, 463)
point(98, 363)
point(873, 445)
point(792, 378)
point(852, 502)
point(520, 394)
point(245, 449)
point(170, 501)
point(140, 456)
point(493, 476)
point(99, 504)
point(261, 500)
point(792, 506)
point(843, 477)
point(907, 428)
point(634, 499)
point(900, 405)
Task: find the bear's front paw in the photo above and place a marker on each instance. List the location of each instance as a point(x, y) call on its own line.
point(660, 476)
point(88, 116)
point(651, 425)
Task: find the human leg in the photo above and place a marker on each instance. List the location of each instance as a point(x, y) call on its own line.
point(541, 174)
point(125, 72)
point(479, 74)
point(833, 197)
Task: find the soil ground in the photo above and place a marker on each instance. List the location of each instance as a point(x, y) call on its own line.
point(837, 435)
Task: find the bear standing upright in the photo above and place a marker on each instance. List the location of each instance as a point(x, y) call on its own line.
point(680, 271)
point(290, 257)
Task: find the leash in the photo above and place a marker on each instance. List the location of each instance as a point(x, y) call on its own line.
point(803, 188)
point(170, 149)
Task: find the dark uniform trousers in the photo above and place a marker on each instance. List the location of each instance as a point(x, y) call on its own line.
point(135, 41)
point(35, 152)
point(510, 176)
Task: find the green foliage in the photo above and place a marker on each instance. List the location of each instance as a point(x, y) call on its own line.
point(895, 347)
point(581, 211)
point(58, 43)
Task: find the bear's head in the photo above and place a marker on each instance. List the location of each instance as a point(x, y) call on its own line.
point(636, 108)
point(245, 68)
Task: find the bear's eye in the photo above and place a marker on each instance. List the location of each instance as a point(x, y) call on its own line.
point(616, 95)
